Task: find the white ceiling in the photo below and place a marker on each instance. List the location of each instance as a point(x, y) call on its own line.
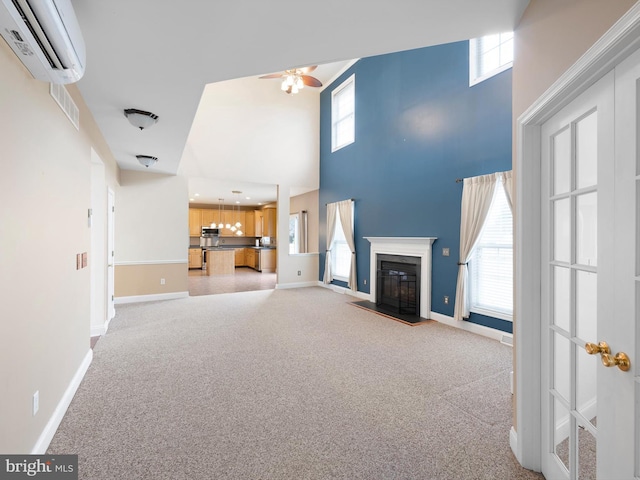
point(159, 56)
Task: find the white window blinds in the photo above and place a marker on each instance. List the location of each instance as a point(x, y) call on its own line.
point(491, 266)
point(489, 56)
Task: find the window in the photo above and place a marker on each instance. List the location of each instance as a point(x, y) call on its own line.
point(489, 56)
point(340, 253)
point(491, 265)
point(343, 111)
point(294, 234)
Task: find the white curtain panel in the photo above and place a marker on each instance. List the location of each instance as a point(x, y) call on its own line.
point(346, 220)
point(507, 179)
point(477, 194)
point(332, 208)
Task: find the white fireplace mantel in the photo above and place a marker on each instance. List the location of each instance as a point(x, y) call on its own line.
point(411, 247)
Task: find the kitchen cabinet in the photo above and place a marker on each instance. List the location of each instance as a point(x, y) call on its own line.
point(249, 226)
point(268, 260)
point(208, 215)
point(250, 258)
point(195, 222)
point(195, 258)
point(269, 223)
point(257, 223)
point(240, 257)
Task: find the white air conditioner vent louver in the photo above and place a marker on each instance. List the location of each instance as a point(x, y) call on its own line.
point(46, 37)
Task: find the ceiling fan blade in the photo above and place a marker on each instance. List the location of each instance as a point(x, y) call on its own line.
point(310, 81)
point(306, 70)
point(273, 75)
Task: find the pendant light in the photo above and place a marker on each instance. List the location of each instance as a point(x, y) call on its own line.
point(220, 201)
point(236, 227)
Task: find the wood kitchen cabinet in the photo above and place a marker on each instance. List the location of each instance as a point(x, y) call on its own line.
point(195, 258)
point(250, 257)
point(249, 226)
point(208, 216)
point(240, 257)
point(269, 222)
point(195, 222)
point(268, 260)
point(257, 222)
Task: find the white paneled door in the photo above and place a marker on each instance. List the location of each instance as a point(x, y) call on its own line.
point(590, 280)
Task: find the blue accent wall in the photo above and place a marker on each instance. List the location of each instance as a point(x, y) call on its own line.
point(419, 127)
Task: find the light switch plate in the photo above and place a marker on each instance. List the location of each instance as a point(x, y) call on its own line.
point(445, 252)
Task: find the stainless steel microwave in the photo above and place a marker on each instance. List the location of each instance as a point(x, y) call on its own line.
point(210, 232)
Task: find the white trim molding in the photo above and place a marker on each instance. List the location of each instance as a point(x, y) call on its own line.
point(285, 286)
point(622, 39)
point(150, 262)
point(99, 330)
point(342, 290)
point(410, 246)
point(40, 448)
point(489, 332)
point(150, 298)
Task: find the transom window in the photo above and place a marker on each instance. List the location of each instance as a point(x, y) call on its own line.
point(489, 56)
point(343, 114)
point(491, 266)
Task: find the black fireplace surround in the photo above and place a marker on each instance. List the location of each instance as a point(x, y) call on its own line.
point(398, 284)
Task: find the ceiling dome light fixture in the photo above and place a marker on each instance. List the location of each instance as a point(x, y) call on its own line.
point(147, 160)
point(140, 118)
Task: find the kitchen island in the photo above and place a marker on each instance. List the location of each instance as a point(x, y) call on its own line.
point(220, 261)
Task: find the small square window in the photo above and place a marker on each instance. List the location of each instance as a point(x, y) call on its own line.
point(343, 114)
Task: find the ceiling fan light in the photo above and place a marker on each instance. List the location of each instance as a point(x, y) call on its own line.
point(294, 89)
point(299, 83)
point(284, 85)
point(290, 80)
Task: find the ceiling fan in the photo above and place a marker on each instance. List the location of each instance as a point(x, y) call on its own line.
point(294, 79)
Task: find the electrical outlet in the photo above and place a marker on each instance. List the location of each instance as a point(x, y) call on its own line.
point(162, 281)
point(36, 402)
point(446, 300)
point(299, 272)
point(445, 252)
point(365, 281)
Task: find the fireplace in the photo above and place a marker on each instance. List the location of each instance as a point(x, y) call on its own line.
point(413, 252)
point(398, 284)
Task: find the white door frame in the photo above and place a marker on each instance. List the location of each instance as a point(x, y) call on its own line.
point(616, 45)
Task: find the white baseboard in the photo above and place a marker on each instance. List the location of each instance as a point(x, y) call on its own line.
point(498, 335)
point(513, 441)
point(40, 448)
point(284, 286)
point(150, 298)
point(99, 330)
point(343, 290)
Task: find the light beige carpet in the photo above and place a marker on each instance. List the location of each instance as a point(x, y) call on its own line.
point(289, 384)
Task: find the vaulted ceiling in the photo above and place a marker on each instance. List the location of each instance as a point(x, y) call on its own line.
point(195, 64)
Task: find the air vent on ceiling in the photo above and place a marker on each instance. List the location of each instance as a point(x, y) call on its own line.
point(68, 106)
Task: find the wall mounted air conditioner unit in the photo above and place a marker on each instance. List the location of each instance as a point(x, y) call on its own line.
point(46, 37)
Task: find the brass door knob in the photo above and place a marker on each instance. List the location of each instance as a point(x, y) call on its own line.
point(621, 360)
point(601, 348)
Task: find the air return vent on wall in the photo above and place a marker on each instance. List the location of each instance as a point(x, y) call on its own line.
point(68, 106)
point(46, 37)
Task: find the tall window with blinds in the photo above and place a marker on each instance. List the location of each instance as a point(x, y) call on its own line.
point(343, 114)
point(489, 56)
point(491, 265)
